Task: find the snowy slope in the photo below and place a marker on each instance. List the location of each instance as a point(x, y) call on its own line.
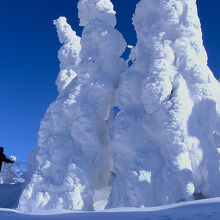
point(10, 194)
point(199, 210)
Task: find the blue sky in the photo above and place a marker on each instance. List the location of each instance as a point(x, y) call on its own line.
point(29, 63)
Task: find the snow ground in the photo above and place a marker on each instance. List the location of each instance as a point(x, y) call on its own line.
point(202, 209)
point(9, 195)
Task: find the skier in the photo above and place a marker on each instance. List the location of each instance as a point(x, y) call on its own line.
point(3, 158)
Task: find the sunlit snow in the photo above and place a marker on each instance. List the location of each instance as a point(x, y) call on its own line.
point(137, 135)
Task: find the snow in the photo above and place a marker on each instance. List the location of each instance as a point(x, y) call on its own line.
point(101, 10)
point(162, 145)
point(68, 53)
point(197, 210)
point(72, 158)
point(12, 173)
point(163, 137)
point(10, 194)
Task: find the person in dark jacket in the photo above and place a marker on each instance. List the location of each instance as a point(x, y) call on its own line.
point(3, 158)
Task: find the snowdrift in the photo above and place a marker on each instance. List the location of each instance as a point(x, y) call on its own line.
point(10, 194)
point(200, 210)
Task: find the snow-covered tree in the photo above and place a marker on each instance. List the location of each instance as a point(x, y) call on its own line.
point(72, 158)
point(163, 137)
point(11, 173)
point(163, 145)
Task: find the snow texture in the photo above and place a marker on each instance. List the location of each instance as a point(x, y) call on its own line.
point(161, 146)
point(163, 138)
point(12, 173)
point(72, 159)
point(68, 53)
point(101, 10)
point(9, 195)
point(207, 209)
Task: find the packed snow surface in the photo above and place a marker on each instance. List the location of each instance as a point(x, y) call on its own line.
point(200, 210)
point(9, 195)
point(163, 144)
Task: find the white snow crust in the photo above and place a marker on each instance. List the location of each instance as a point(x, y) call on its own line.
point(162, 146)
point(207, 209)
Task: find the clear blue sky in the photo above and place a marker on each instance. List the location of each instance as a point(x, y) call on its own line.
point(29, 63)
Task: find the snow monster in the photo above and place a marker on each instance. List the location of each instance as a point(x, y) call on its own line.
point(164, 139)
point(163, 145)
point(72, 158)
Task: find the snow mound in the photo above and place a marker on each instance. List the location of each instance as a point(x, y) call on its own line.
point(202, 210)
point(10, 194)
